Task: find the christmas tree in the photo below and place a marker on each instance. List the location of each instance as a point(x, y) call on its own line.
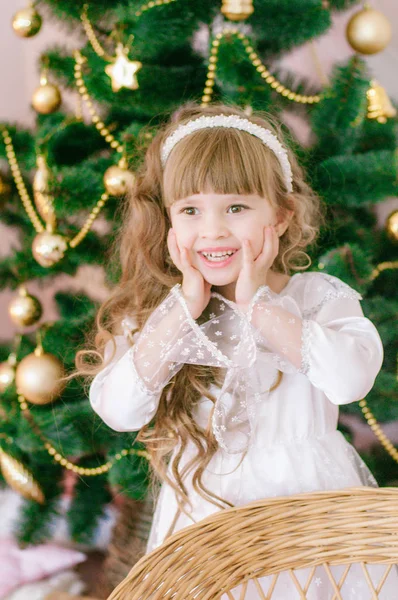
point(136, 64)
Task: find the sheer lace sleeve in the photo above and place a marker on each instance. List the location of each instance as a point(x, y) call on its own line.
point(324, 333)
point(342, 351)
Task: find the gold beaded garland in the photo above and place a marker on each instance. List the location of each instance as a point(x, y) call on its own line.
point(57, 456)
point(52, 247)
point(257, 63)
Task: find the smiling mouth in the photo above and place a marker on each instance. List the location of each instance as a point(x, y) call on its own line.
point(218, 256)
point(217, 259)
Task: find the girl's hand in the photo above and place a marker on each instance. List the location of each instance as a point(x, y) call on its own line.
point(254, 272)
point(195, 289)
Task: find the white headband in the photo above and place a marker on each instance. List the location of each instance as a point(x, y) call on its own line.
point(268, 138)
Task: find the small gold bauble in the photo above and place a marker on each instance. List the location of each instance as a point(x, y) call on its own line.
point(38, 377)
point(7, 375)
point(46, 98)
point(392, 226)
point(368, 31)
point(24, 310)
point(48, 248)
point(237, 10)
point(26, 22)
point(117, 180)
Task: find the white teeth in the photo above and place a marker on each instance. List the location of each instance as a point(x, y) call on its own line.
point(218, 256)
point(214, 254)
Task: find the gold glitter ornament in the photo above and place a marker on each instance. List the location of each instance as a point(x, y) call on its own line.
point(368, 31)
point(122, 71)
point(46, 98)
point(25, 309)
point(118, 179)
point(26, 22)
point(237, 10)
point(49, 248)
point(19, 478)
point(43, 200)
point(392, 226)
point(38, 377)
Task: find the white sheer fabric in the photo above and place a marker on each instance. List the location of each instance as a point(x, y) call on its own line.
point(272, 442)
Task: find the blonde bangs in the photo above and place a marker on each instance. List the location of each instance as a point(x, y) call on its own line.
point(225, 161)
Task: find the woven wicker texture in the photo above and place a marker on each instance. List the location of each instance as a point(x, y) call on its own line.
point(233, 546)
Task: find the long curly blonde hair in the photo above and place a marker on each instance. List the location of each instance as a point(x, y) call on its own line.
point(227, 161)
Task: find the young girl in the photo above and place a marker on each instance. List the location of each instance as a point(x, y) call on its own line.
point(231, 369)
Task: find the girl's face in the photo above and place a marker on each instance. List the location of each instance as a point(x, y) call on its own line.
point(219, 223)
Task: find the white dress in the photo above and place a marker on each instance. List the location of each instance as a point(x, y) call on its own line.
point(271, 443)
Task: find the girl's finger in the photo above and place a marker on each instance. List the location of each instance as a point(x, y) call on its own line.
point(268, 245)
point(174, 249)
point(247, 252)
point(185, 258)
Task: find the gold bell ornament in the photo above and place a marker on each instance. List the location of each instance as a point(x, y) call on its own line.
point(38, 377)
point(46, 98)
point(19, 478)
point(237, 10)
point(392, 226)
point(26, 22)
point(44, 201)
point(48, 247)
point(122, 71)
point(379, 104)
point(25, 309)
point(368, 31)
point(118, 179)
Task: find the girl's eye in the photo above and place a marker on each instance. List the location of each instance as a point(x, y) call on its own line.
point(233, 206)
point(188, 208)
point(238, 206)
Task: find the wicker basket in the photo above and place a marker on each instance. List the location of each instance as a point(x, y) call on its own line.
point(268, 537)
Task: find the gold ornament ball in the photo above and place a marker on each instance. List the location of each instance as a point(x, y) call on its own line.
point(7, 375)
point(38, 377)
point(237, 10)
point(368, 31)
point(46, 99)
point(26, 22)
point(118, 181)
point(49, 248)
point(25, 309)
point(392, 226)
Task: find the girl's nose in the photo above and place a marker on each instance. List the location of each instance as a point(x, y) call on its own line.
point(213, 228)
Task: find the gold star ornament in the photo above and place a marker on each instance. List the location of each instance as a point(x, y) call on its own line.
point(123, 71)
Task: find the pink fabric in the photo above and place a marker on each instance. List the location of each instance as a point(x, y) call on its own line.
point(19, 566)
